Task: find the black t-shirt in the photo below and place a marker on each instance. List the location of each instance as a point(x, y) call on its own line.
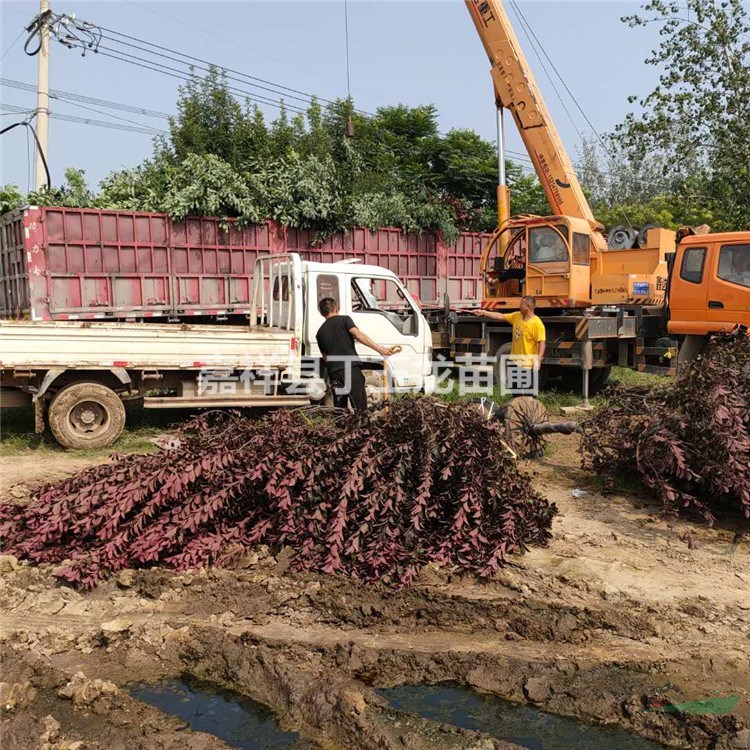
point(336, 343)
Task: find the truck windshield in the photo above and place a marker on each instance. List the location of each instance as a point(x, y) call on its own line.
point(734, 264)
point(384, 297)
point(546, 246)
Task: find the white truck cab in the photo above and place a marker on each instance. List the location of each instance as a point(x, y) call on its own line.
point(381, 307)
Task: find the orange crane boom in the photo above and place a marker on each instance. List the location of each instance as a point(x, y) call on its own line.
point(516, 90)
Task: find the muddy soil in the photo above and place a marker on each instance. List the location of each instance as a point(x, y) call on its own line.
point(621, 613)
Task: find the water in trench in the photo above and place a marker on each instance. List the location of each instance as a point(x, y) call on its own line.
point(525, 725)
point(240, 722)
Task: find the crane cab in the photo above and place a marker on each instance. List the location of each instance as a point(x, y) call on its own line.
point(549, 258)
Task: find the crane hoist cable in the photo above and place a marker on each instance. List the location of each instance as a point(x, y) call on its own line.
point(603, 144)
point(535, 47)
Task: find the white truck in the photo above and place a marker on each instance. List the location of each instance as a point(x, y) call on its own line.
point(77, 374)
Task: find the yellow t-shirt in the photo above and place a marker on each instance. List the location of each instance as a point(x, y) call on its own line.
point(527, 334)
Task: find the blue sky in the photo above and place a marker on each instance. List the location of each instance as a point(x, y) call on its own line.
point(408, 52)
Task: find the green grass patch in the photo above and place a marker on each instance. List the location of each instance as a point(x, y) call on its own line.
point(625, 376)
point(557, 396)
point(17, 434)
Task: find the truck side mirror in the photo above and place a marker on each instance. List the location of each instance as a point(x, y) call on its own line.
point(498, 264)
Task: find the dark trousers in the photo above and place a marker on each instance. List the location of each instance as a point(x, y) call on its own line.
point(354, 392)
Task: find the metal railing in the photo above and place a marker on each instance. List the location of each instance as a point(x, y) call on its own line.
point(277, 292)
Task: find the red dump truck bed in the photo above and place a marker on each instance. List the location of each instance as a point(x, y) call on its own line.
point(70, 264)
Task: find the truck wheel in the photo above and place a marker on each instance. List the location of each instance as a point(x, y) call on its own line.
point(86, 415)
point(572, 379)
point(504, 349)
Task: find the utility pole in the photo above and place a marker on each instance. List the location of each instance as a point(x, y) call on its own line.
point(42, 98)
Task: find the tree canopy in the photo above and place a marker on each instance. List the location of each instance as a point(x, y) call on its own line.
point(224, 158)
point(681, 157)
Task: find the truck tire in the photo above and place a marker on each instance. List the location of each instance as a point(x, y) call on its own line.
point(572, 379)
point(86, 415)
point(498, 379)
point(503, 349)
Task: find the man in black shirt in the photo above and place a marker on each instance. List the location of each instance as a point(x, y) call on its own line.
point(336, 339)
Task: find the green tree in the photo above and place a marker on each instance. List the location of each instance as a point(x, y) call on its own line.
point(209, 120)
point(74, 192)
point(206, 184)
point(698, 116)
point(141, 188)
point(526, 194)
point(11, 198)
point(464, 165)
point(223, 158)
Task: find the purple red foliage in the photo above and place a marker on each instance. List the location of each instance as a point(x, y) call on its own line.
point(689, 441)
point(372, 497)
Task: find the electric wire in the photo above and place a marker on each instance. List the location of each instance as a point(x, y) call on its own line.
point(603, 144)
point(12, 44)
point(528, 32)
point(562, 80)
point(86, 121)
point(175, 73)
point(28, 161)
point(224, 39)
point(117, 117)
point(251, 80)
point(27, 124)
point(346, 36)
point(73, 97)
point(206, 68)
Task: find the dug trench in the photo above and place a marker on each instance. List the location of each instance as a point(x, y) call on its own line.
point(616, 619)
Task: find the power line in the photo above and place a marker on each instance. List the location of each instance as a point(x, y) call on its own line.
point(26, 124)
point(28, 162)
point(224, 39)
point(13, 44)
point(558, 74)
point(206, 68)
point(73, 97)
point(346, 34)
point(275, 87)
point(86, 121)
point(117, 117)
point(176, 73)
point(244, 78)
point(522, 17)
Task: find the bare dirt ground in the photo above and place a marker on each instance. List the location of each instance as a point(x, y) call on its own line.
point(622, 612)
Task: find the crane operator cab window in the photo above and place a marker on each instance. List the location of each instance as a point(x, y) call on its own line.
point(734, 264)
point(546, 245)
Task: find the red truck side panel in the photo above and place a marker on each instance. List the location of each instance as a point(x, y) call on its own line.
point(61, 263)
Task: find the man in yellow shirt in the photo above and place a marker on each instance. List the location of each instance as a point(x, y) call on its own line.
point(529, 338)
